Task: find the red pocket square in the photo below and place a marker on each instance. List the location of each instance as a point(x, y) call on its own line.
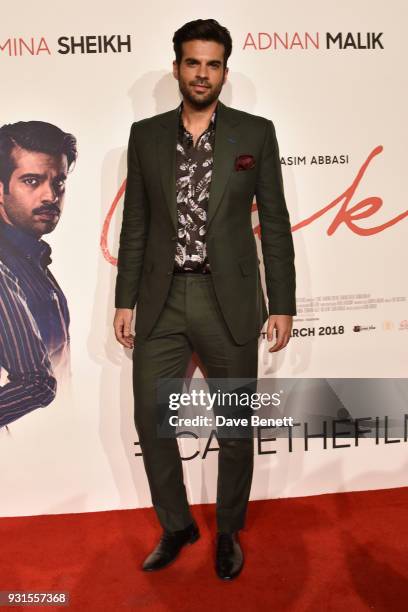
point(244, 162)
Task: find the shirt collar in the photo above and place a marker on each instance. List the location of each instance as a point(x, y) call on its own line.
point(28, 246)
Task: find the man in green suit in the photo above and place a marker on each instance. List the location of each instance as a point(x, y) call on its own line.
point(188, 260)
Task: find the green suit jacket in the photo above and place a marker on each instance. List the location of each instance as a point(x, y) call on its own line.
point(149, 227)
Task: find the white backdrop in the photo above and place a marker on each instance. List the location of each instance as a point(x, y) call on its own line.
point(78, 453)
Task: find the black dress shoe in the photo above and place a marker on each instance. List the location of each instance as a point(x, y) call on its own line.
point(169, 547)
point(229, 558)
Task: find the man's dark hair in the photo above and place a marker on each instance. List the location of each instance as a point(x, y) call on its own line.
point(202, 29)
point(37, 136)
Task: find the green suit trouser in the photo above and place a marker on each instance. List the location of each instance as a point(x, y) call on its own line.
point(191, 320)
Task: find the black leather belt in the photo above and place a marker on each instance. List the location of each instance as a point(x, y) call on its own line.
point(199, 270)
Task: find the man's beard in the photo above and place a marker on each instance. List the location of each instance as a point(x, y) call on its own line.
point(196, 101)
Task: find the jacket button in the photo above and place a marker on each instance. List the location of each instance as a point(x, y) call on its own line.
point(174, 238)
point(169, 272)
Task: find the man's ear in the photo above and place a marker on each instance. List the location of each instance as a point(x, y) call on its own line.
point(175, 70)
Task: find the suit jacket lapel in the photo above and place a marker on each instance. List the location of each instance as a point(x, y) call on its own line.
point(226, 143)
point(166, 147)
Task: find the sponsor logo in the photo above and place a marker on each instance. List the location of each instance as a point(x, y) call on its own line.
point(403, 326)
point(388, 325)
point(360, 328)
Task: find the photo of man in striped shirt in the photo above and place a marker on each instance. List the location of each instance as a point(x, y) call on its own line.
point(35, 158)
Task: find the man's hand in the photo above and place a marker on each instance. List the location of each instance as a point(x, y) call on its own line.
point(121, 324)
point(283, 326)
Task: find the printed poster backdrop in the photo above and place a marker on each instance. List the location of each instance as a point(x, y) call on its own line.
point(332, 80)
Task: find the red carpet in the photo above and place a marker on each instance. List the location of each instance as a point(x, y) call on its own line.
point(346, 551)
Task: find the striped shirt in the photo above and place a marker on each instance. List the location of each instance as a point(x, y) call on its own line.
point(22, 354)
point(34, 323)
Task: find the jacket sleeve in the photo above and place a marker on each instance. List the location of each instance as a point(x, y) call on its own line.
point(276, 237)
point(133, 235)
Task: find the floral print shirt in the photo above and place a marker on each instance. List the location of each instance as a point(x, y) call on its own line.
point(194, 166)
